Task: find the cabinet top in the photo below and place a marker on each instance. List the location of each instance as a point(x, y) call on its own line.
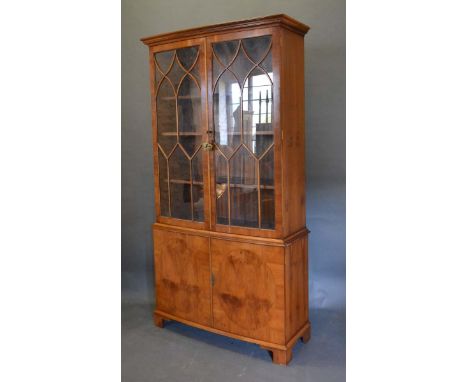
point(282, 20)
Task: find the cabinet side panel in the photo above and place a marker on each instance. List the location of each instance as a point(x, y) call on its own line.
point(182, 267)
point(297, 287)
point(292, 124)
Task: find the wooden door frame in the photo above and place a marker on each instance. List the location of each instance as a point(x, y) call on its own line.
point(200, 42)
point(276, 59)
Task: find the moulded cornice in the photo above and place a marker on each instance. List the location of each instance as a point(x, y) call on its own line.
point(281, 20)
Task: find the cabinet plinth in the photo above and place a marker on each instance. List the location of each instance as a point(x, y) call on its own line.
point(230, 241)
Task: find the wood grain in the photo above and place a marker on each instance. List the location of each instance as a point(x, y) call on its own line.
point(292, 123)
point(183, 275)
point(296, 286)
point(248, 289)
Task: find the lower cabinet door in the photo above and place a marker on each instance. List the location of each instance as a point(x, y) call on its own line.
point(248, 289)
point(183, 275)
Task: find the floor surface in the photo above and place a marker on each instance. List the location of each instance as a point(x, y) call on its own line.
point(182, 353)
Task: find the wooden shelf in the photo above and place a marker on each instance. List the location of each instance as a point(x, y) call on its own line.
point(179, 181)
point(233, 185)
point(182, 134)
point(252, 186)
point(179, 97)
point(270, 133)
point(189, 133)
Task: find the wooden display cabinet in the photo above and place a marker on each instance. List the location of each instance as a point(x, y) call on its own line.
point(230, 238)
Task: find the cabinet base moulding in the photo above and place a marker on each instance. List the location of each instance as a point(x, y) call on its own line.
point(281, 354)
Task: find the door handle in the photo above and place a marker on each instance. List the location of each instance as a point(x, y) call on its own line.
point(207, 146)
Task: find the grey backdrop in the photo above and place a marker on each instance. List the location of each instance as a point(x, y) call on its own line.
point(325, 133)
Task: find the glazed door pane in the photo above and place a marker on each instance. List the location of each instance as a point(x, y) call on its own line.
point(179, 133)
point(242, 78)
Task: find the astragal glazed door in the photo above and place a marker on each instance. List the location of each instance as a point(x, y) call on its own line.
point(179, 96)
point(242, 99)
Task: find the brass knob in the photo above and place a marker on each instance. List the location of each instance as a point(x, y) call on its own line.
point(207, 146)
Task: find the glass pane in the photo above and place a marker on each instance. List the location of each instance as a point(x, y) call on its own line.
point(179, 116)
point(227, 113)
point(221, 189)
point(189, 108)
point(163, 188)
point(267, 168)
point(225, 51)
point(164, 60)
point(243, 126)
point(217, 68)
point(198, 213)
point(243, 189)
point(166, 116)
point(187, 58)
point(257, 48)
point(267, 191)
point(197, 186)
point(268, 65)
point(197, 168)
point(241, 66)
point(257, 104)
point(268, 208)
point(175, 74)
point(179, 182)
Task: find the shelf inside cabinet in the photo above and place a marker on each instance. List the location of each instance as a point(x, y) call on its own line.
point(182, 134)
point(271, 133)
point(232, 185)
point(185, 97)
point(251, 186)
point(180, 181)
point(238, 222)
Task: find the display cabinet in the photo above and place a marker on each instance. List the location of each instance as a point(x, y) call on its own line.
point(230, 239)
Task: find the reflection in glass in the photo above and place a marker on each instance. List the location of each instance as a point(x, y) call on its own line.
point(243, 189)
point(227, 112)
point(257, 103)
